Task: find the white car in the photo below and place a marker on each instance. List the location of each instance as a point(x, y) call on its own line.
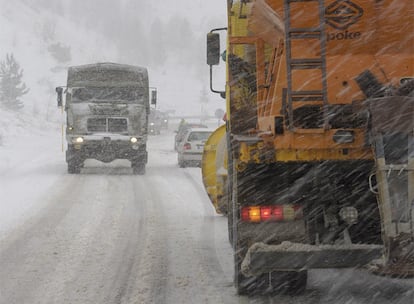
point(190, 150)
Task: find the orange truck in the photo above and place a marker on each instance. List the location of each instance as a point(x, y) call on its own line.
point(315, 166)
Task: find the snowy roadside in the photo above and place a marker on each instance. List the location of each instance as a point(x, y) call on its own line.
point(27, 146)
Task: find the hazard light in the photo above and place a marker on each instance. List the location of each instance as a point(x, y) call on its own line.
point(187, 146)
point(275, 213)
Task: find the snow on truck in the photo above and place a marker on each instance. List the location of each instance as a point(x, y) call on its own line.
point(315, 166)
point(107, 108)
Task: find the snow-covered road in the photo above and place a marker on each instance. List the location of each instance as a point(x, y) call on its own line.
point(107, 236)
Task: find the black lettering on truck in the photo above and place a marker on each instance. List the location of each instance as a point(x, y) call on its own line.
point(343, 36)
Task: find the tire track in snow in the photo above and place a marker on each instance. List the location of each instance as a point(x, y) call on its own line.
point(148, 280)
point(216, 250)
point(82, 248)
point(195, 273)
point(28, 257)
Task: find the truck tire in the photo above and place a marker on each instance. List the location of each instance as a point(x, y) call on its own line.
point(72, 158)
point(74, 167)
point(244, 285)
point(278, 282)
point(230, 212)
point(288, 282)
point(138, 168)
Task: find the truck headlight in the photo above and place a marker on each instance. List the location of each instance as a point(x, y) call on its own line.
point(78, 140)
point(134, 140)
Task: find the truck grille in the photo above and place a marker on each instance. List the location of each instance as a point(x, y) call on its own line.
point(117, 125)
point(112, 125)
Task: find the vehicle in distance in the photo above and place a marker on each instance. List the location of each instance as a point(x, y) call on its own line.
point(190, 150)
point(164, 121)
point(107, 107)
point(182, 129)
point(154, 122)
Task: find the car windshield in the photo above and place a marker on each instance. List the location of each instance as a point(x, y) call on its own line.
point(103, 94)
point(198, 136)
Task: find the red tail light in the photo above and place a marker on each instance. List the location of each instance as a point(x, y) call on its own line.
point(275, 213)
point(187, 146)
point(245, 217)
point(278, 213)
point(265, 213)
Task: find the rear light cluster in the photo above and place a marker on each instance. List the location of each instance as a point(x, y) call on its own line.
point(274, 213)
point(187, 146)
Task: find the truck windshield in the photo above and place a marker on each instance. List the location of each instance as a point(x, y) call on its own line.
point(107, 94)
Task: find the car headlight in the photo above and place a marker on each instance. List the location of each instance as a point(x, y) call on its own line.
point(151, 124)
point(134, 140)
point(79, 140)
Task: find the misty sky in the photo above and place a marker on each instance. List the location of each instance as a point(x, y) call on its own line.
point(167, 37)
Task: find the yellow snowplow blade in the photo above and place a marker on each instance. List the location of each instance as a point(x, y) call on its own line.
point(214, 168)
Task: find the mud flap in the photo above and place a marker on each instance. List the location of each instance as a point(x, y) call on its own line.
point(288, 256)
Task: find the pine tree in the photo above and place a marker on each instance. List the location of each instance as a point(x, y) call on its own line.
point(11, 85)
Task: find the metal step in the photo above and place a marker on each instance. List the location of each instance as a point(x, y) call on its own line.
point(306, 63)
point(307, 96)
point(290, 1)
point(297, 35)
point(305, 33)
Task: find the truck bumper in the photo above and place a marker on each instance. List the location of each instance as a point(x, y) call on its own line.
point(107, 151)
point(288, 256)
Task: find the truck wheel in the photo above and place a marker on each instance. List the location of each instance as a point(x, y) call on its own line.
point(138, 168)
point(278, 282)
point(244, 285)
point(73, 159)
point(288, 282)
point(254, 285)
point(74, 168)
point(230, 220)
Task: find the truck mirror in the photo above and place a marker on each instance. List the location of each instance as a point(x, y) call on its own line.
point(154, 97)
point(59, 91)
point(213, 49)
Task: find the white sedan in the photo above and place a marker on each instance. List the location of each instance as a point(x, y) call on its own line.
point(190, 150)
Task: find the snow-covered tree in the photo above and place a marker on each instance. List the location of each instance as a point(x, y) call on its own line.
point(11, 85)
